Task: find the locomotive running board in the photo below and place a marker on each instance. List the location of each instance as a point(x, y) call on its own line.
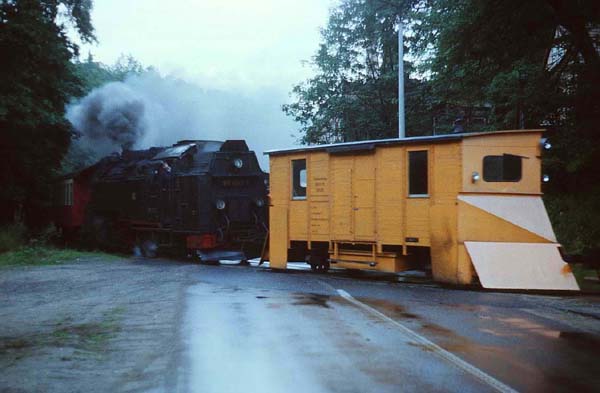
point(521, 266)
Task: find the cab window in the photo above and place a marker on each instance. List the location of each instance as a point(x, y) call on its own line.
point(299, 179)
point(504, 168)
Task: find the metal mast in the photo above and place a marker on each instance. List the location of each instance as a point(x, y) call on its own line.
point(401, 125)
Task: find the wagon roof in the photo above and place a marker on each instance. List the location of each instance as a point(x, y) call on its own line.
point(370, 145)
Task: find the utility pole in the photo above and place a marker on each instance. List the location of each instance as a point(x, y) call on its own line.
point(401, 124)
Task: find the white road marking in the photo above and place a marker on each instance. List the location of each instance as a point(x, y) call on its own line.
point(467, 367)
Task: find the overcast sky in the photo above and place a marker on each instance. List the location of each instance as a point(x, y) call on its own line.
point(251, 50)
point(224, 43)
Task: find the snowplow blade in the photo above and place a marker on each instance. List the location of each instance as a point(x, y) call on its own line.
point(508, 265)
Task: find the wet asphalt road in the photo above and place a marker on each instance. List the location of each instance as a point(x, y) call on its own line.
point(256, 330)
point(159, 325)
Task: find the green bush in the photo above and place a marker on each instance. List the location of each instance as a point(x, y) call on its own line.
point(47, 236)
point(44, 255)
point(12, 236)
point(575, 220)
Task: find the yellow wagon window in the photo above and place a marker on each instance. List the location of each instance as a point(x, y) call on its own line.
point(505, 168)
point(417, 173)
point(299, 179)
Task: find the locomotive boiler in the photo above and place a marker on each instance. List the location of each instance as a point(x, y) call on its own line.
point(204, 197)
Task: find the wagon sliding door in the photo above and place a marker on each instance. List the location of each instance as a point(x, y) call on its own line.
point(363, 186)
point(353, 205)
point(342, 217)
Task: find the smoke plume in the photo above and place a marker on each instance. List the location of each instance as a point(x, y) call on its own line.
point(151, 110)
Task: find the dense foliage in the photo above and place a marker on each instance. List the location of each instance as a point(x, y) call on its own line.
point(37, 79)
point(93, 74)
point(353, 95)
point(538, 64)
point(532, 63)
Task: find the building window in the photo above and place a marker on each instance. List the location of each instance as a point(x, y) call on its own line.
point(299, 179)
point(417, 173)
point(504, 168)
point(67, 193)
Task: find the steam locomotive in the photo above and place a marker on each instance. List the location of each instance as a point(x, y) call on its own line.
point(208, 198)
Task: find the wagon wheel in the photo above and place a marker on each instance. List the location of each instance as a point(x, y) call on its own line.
point(319, 264)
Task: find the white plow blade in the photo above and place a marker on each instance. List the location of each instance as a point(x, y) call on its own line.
point(521, 266)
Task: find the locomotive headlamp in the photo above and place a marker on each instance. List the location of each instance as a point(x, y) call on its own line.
point(545, 178)
point(238, 163)
point(546, 145)
point(220, 204)
point(475, 177)
point(259, 202)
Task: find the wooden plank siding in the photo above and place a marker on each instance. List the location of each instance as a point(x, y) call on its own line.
point(447, 180)
point(526, 145)
point(342, 219)
point(318, 197)
point(390, 192)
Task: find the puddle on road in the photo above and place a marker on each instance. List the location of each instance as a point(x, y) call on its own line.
point(513, 363)
point(391, 309)
point(468, 307)
point(311, 299)
point(442, 336)
point(500, 334)
point(437, 329)
point(585, 341)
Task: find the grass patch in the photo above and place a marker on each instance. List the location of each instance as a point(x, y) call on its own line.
point(44, 255)
point(84, 340)
point(89, 337)
point(580, 273)
point(12, 236)
point(17, 343)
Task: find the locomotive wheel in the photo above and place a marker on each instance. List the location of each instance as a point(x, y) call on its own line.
point(319, 264)
point(209, 262)
point(149, 249)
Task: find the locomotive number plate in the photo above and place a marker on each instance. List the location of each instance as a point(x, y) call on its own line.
point(235, 182)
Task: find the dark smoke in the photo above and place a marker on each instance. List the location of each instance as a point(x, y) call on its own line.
point(151, 110)
point(109, 119)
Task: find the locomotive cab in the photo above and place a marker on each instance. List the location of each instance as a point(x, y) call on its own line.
point(237, 202)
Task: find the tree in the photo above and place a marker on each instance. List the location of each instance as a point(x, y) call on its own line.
point(353, 95)
point(37, 79)
point(537, 63)
point(534, 64)
point(93, 74)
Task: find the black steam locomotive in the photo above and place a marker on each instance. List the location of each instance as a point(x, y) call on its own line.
point(206, 197)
